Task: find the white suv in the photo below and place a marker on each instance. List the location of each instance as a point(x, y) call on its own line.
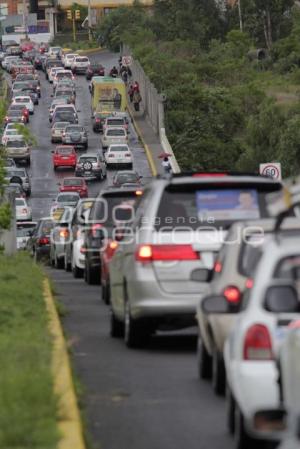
point(80, 64)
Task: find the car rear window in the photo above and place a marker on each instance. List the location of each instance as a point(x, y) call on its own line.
point(71, 129)
point(15, 144)
point(60, 125)
point(46, 226)
point(116, 132)
point(105, 210)
point(120, 148)
point(72, 182)
point(115, 122)
point(81, 59)
point(64, 150)
point(84, 159)
point(20, 202)
point(126, 177)
point(66, 198)
point(20, 173)
point(214, 205)
point(25, 229)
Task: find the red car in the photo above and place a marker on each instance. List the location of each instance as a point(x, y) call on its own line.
point(64, 156)
point(20, 107)
point(74, 185)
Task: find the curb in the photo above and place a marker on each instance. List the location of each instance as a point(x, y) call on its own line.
point(147, 149)
point(69, 421)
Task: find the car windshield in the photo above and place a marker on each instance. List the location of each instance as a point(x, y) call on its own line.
point(127, 177)
point(115, 132)
point(72, 182)
point(67, 198)
point(20, 202)
point(16, 144)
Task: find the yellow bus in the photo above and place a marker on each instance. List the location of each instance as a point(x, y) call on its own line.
point(108, 94)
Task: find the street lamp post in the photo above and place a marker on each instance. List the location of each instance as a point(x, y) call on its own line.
point(90, 20)
point(240, 15)
point(25, 18)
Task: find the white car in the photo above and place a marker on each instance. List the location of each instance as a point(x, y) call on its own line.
point(24, 232)
point(114, 135)
point(23, 211)
point(119, 155)
point(80, 64)
point(62, 74)
point(55, 51)
point(251, 348)
point(78, 256)
point(26, 101)
point(55, 103)
point(11, 134)
point(52, 72)
point(68, 59)
point(11, 126)
point(7, 60)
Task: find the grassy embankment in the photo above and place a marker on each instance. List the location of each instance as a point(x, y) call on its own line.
point(28, 411)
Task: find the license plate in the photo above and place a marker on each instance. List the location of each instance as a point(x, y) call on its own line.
point(87, 173)
point(65, 158)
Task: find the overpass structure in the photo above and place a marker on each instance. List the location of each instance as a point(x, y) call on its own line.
point(101, 4)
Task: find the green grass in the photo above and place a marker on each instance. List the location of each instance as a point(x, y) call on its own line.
point(28, 407)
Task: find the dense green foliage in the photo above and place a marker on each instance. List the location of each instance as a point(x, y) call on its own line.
point(224, 109)
point(28, 410)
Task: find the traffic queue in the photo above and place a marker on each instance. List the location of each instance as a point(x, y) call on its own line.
point(216, 250)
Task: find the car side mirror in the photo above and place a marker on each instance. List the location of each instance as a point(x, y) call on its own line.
point(201, 275)
point(215, 304)
point(271, 421)
point(282, 298)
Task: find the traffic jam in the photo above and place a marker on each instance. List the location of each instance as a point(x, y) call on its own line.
point(216, 252)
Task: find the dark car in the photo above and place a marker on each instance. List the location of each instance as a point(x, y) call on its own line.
point(102, 216)
point(125, 177)
point(64, 116)
point(39, 243)
point(98, 122)
point(95, 70)
point(35, 84)
point(37, 62)
point(32, 93)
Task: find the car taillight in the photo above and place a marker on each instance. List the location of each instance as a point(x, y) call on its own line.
point(43, 241)
point(232, 294)
point(64, 233)
point(113, 245)
point(127, 154)
point(95, 230)
point(139, 192)
point(97, 120)
point(218, 267)
point(257, 344)
point(150, 253)
point(249, 283)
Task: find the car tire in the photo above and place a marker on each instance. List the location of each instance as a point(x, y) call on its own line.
point(105, 293)
point(58, 263)
point(218, 373)
point(135, 333)
point(204, 361)
point(92, 276)
point(54, 167)
point(67, 264)
point(116, 326)
point(242, 439)
point(230, 411)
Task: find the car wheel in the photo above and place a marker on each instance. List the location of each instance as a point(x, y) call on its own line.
point(242, 439)
point(218, 373)
point(28, 162)
point(67, 264)
point(105, 293)
point(230, 406)
point(204, 361)
point(92, 275)
point(58, 263)
point(116, 326)
point(135, 334)
point(76, 271)
point(86, 146)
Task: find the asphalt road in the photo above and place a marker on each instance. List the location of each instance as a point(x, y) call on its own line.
point(133, 399)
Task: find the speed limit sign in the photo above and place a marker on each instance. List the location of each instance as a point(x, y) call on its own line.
point(272, 170)
point(126, 60)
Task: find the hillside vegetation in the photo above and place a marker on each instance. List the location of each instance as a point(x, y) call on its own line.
point(224, 109)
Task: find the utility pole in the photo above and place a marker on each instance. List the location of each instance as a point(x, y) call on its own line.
point(74, 26)
point(240, 15)
point(90, 20)
point(25, 18)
